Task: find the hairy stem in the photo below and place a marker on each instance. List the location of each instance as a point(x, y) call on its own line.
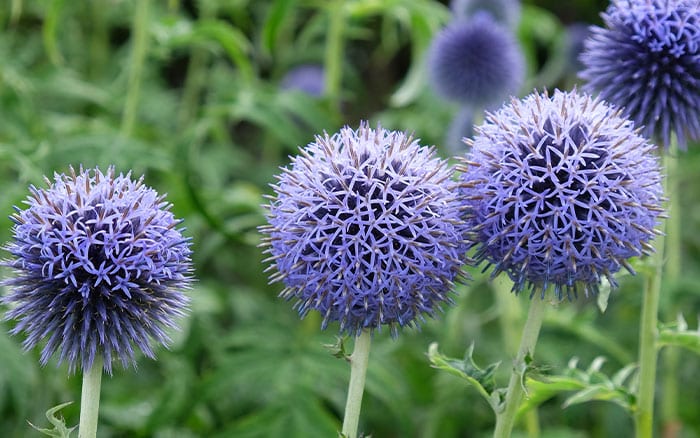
point(358, 370)
point(505, 418)
point(90, 399)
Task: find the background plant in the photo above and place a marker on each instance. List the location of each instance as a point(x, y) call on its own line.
point(204, 118)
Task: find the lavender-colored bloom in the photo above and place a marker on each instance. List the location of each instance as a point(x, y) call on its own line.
point(365, 228)
point(100, 265)
point(561, 191)
point(309, 78)
point(647, 60)
point(475, 62)
point(506, 12)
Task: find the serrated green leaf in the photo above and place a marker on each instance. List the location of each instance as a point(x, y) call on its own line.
point(482, 379)
point(59, 430)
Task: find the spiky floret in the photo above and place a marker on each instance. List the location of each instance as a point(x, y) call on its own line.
point(365, 228)
point(560, 191)
point(99, 267)
point(476, 62)
point(647, 60)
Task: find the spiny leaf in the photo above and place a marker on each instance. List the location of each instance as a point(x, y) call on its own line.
point(482, 379)
point(678, 335)
point(590, 384)
point(59, 429)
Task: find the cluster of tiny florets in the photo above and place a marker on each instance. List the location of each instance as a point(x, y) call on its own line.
point(476, 62)
point(560, 191)
point(646, 60)
point(365, 228)
point(99, 268)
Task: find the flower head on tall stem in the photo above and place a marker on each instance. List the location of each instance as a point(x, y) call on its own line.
point(364, 227)
point(476, 62)
point(100, 266)
point(560, 191)
point(646, 60)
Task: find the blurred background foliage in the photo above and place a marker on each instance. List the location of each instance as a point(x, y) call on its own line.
point(198, 96)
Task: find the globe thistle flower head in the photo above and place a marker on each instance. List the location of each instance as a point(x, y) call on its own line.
point(560, 191)
point(308, 78)
point(505, 12)
point(99, 268)
point(364, 227)
point(476, 62)
point(647, 61)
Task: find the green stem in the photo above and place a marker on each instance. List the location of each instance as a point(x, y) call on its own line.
point(138, 56)
point(672, 272)
point(505, 418)
point(90, 399)
point(509, 316)
point(334, 52)
point(648, 331)
point(358, 370)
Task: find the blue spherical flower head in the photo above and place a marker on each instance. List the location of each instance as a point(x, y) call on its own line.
point(475, 62)
point(365, 228)
point(647, 61)
point(100, 265)
point(506, 12)
point(560, 192)
point(308, 78)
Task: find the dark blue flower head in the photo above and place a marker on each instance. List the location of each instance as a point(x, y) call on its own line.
point(309, 78)
point(365, 228)
point(647, 61)
point(560, 191)
point(475, 62)
point(100, 265)
point(506, 12)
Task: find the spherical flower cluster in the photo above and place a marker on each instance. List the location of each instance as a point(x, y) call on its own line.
point(506, 12)
point(365, 228)
point(307, 78)
point(647, 61)
point(475, 62)
point(100, 265)
point(560, 191)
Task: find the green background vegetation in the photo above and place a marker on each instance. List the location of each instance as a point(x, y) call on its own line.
point(187, 93)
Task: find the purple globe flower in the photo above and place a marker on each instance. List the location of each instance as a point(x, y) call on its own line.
point(308, 78)
point(365, 228)
point(506, 12)
point(647, 61)
point(560, 191)
point(476, 62)
point(100, 265)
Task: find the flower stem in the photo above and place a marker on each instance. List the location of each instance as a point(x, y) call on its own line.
point(358, 370)
point(138, 55)
point(505, 418)
point(648, 330)
point(334, 52)
point(672, 272)
point(90, 400)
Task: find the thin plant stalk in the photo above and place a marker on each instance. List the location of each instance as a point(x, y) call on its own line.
point(505, 419)
point(672, 272)
point(358, 370)
point(509, 317)
point(334, 52)
point(90, 399)
point(138, 56)
point(648, 332)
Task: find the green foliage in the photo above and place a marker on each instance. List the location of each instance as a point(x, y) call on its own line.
point(59, 429)
point(205, 119)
